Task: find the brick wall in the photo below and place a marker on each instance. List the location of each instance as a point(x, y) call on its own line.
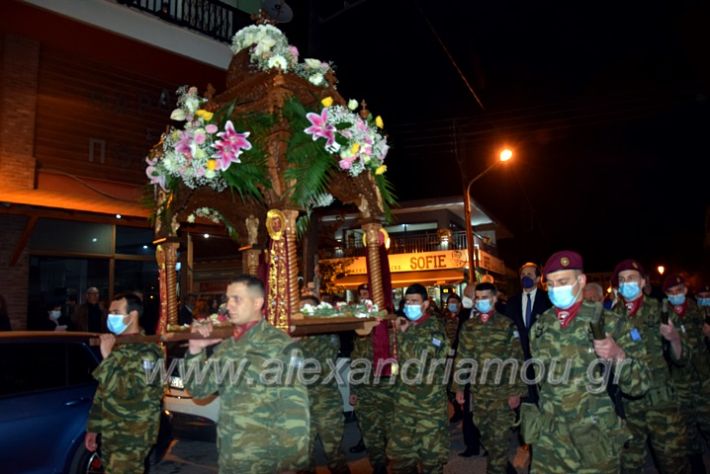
point(14, 280)
point(18, 106)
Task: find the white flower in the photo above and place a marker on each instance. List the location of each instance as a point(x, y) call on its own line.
point(277, 61)
point(209, 174)
point(316, 79)
point(264, 46)
point(178, 114)
point(352, 104)
point(191, 218)
point(312, 63)
point(168, 164)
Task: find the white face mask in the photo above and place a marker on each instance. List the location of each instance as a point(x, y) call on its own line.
point(55, 314)
point(467, 302)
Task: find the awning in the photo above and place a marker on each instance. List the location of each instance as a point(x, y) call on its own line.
point(399, 279)
point(59, 190)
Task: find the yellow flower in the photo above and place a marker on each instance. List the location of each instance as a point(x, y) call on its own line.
point(355, 148)
point(203, 114)
point(211, 164)
point(327, 102)
point(381, 169)
point(379, 122)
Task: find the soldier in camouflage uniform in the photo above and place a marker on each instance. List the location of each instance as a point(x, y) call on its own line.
point(327, 421)
point(692, 381)
point(576, 428)
point(655, 416)
point(264, 419)
point(126, 408)
point(420, 435)
point(491, 338)
point(373, 394)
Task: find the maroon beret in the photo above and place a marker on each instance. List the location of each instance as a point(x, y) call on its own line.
point(674, 279)
point(564, 260)
point(628, 264)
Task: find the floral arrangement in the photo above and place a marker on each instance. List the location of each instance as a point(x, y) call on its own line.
point(353, 136)
point(269, 49)
point(198, 153)
point(207, 213)
point(366, 309)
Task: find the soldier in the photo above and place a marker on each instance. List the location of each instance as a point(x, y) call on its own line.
point(326, 405)
point(373, 397)
point(576, 427)
point(264, 419)
point(420, 435)
point(688, 380)
point(126, 408)
point(492, 340)
point(655, 417)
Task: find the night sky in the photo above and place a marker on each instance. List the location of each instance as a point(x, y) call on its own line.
point(606, 106)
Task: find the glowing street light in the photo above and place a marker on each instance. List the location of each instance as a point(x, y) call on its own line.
point(505, 155)
point(661, 269)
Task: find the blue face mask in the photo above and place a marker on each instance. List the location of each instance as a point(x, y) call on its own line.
point(562, 296)
point(413, 311)
point(453, 307)
point(483, 306)
point(527, 282)
point(629, 290)
point(676, 300)
point(704, 301)
point(115, 323)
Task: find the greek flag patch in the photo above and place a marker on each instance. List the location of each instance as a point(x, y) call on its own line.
point(436, 342)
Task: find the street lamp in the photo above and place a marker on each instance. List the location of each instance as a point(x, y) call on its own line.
point(661, 269)
point(504, 155)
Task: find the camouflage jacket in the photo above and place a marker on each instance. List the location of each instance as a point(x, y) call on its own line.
point(495, 347)
point(645, 326)
point(125, 403)
point(422, 354)
point(571, 386)
point(363, 368)
point(322, 349)
point(264, 410)
point(697, 370)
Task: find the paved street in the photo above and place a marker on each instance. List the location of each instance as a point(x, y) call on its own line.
point(200, 457)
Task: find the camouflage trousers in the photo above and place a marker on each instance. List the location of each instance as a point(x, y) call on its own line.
point(125, 458)
point(495, 419)
point(327, 423)
point(662, 425)
point(420, 436)
point(375, 406)
point(590, 445)
point(695, 409)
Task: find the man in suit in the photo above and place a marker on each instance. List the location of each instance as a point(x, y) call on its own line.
point(524, 308)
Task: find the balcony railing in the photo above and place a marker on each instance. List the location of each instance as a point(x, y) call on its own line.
point(211, 17)
point(430, 242)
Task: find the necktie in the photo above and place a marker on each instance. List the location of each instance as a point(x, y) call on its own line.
point(528, 312)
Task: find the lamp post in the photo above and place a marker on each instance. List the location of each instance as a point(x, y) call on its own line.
point(505, 155)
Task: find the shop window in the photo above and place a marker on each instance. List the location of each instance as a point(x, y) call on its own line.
point(71, 237)
point(134, 241)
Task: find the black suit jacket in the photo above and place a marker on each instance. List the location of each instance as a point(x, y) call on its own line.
point(515, 312)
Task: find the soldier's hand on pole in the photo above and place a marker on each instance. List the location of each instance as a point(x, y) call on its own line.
point(195, 346)
point(90, 441)
point(514, 401)
point(106, 344)
point(403, 324)
point(460, 397)
point(353, 400)
point(608, 349)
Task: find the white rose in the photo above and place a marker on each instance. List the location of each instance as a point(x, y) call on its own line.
point(316, 79)
point(191, 218)
point(177, 114)
point(277, 61)
point(352, 104)
point(312, 63)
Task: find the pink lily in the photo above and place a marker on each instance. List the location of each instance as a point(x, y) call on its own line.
point(183, 145)
point(230, 146)
point(153, 174)
point(320, 128)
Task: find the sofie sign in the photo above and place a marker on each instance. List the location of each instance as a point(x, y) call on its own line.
point(408, 262)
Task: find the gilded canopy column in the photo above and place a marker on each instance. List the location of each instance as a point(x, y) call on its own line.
point(372, 239)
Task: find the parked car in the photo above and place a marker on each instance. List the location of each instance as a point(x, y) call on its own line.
point(189, 417)
point(46, 392)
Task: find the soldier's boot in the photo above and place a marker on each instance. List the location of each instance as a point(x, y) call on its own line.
point(697, 466)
